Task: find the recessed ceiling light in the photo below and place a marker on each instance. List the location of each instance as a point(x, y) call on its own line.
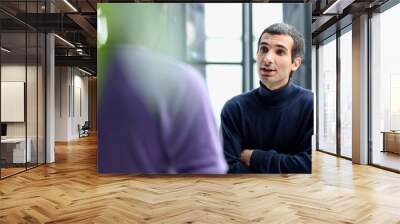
point(64, 40)
point(84, 71)
point(70, 5)
point(5, 49)
point(337, 7)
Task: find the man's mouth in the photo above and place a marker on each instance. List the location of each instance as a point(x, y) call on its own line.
point(268, 70)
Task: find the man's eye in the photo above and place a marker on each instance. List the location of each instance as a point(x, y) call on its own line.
point(280, 52)
point(263, 50)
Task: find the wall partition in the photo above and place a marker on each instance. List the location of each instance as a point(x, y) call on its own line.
point(22, 92)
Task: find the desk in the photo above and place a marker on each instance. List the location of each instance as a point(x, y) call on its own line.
point(15, 148)
point(391, 141)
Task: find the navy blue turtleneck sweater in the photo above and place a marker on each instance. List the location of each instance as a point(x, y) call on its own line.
point(277, 125)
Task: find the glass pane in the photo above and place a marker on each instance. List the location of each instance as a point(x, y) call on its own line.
point(385, 89)
point(223, 50)
point(264, 15)
point(31, 88)
point(346, 94)
point(256, 80)
point(211, 37)
point(41, 99)
point(31, 101)
point(327, 97)
point(223, 82)
point(228, 25)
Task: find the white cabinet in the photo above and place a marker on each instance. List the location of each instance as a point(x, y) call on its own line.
point(18, 149)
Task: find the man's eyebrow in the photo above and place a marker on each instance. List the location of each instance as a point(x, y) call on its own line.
point(276, 45)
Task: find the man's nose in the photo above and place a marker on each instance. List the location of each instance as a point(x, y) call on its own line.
point(268, 57)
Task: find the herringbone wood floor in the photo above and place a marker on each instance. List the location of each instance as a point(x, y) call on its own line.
point(70, 191)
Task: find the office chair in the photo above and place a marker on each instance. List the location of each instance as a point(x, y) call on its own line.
point(84, 130)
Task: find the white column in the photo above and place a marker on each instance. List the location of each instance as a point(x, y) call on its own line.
point(314, 89)
point(360, 90)
point(50, 110)
point(50, 91)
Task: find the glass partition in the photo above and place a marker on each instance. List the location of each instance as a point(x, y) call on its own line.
point(41, 91)
point(31, 101)
point(14, 153)
point(22, 91)
point(385, 89)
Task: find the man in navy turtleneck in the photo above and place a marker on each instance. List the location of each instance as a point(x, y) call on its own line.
point(269, 129)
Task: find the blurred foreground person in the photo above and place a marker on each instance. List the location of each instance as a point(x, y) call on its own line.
point(155, 117)
point(154, 114)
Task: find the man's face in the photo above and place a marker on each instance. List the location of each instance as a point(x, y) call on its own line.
point(274, 60)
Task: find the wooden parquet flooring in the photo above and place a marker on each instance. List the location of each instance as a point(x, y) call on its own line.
point(71, 191)
point(10, 171)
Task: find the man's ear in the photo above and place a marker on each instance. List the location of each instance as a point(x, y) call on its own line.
point(296, 63)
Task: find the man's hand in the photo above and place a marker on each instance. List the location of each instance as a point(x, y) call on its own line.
point(245, 156)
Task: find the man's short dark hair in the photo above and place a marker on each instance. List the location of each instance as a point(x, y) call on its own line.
point(286, 29)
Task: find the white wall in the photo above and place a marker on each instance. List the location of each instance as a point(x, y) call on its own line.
point(16, 73)
point(13, 73)
point(71, 94)
point(61, 103)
